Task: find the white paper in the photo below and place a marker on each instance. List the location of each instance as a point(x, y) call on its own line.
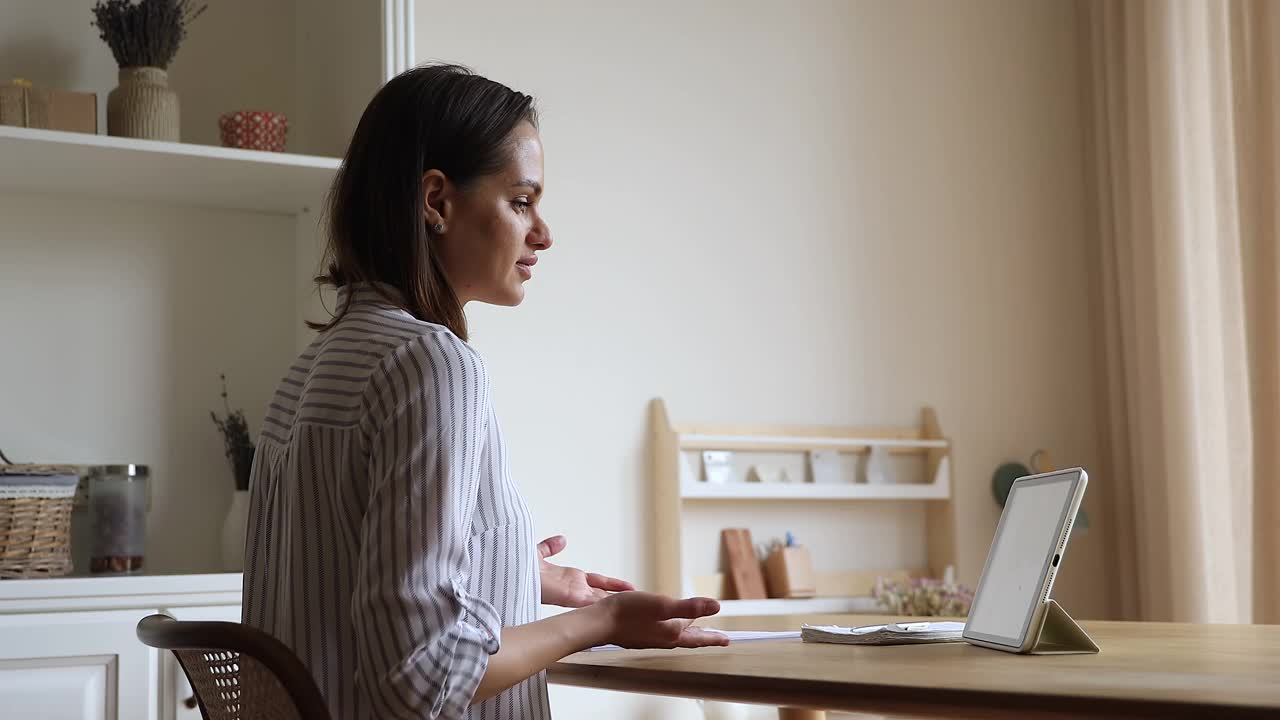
point(741, 635)
point(735, 636)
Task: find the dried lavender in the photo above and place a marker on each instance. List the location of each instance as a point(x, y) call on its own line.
point(236, 440)
point(145, 34)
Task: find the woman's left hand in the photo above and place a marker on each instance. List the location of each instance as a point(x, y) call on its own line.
point(571, 587)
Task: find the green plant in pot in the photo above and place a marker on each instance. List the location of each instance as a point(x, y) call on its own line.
point(144, 37)
point(239, 447)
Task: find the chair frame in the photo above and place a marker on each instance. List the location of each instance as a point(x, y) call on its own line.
point(166, 633)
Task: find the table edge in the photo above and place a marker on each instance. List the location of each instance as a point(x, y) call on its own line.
point(864, 697)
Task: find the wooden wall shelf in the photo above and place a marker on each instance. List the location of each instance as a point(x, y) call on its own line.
point(675, 493)
point(811, 491)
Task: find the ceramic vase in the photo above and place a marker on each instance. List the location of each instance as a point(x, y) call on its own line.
point(234, 529)
point(143, 106)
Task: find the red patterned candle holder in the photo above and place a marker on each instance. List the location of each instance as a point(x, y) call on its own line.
point(254, 130)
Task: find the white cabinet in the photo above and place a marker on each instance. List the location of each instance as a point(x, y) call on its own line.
point(59, 687)
point(76, 665)
point(69, 648)
point(175, 690)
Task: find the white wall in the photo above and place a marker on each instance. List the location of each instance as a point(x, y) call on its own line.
point(813, 212)
point(339, 67)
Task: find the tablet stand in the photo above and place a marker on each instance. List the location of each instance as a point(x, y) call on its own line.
point(1058, 634)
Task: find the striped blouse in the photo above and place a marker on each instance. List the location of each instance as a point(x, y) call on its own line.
point(387, 545)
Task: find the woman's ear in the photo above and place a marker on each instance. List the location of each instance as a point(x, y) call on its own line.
point(437, 199)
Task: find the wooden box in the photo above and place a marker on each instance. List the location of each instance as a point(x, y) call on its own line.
point(25, 106)
point(789, 572)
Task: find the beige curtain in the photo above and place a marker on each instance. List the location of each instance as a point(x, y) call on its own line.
point(1183, 99)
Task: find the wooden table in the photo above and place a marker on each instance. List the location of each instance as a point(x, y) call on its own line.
point(1144, 670)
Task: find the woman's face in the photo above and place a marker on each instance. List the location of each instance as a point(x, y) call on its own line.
point(492, 229)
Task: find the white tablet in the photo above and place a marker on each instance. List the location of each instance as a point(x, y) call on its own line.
point(1028, 547)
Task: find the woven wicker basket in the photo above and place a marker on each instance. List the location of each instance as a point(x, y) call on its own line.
point(35, 520)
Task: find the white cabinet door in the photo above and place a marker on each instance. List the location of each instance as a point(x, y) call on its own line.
point(177, 692)
point(77, 665)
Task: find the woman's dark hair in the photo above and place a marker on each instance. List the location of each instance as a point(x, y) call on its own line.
point(441, 117)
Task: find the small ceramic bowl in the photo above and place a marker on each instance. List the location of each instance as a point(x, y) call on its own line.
point(254, 130)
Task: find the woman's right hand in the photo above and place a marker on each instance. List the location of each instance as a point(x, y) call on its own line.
point(630, 619)
point(648, 620)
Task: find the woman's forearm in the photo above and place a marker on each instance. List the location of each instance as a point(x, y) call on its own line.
point(528, 649)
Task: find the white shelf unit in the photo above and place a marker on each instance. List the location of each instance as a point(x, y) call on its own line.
point(676, 494)
point(93, 197)
point(179, 174)
point(48, 161)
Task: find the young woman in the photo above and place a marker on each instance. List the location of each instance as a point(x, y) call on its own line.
point(388, 545)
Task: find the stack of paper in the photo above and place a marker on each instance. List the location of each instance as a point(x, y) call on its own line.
point(891, 634)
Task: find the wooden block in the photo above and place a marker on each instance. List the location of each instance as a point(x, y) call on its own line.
point(15, 107)
point(72, 111)
point(745, 579)
point(789, 571)
point(48, 109)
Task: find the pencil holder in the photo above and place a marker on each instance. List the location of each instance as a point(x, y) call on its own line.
point(789, 572)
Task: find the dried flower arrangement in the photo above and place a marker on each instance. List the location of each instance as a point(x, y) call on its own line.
point(147, 33)
point(923, 596)
point(236, 440)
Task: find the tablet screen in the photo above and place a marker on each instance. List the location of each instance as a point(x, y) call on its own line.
point(1020, 557)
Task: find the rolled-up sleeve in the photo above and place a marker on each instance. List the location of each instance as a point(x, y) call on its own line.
point(423, 643)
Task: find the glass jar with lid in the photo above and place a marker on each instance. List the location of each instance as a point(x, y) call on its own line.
point(118, 510)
